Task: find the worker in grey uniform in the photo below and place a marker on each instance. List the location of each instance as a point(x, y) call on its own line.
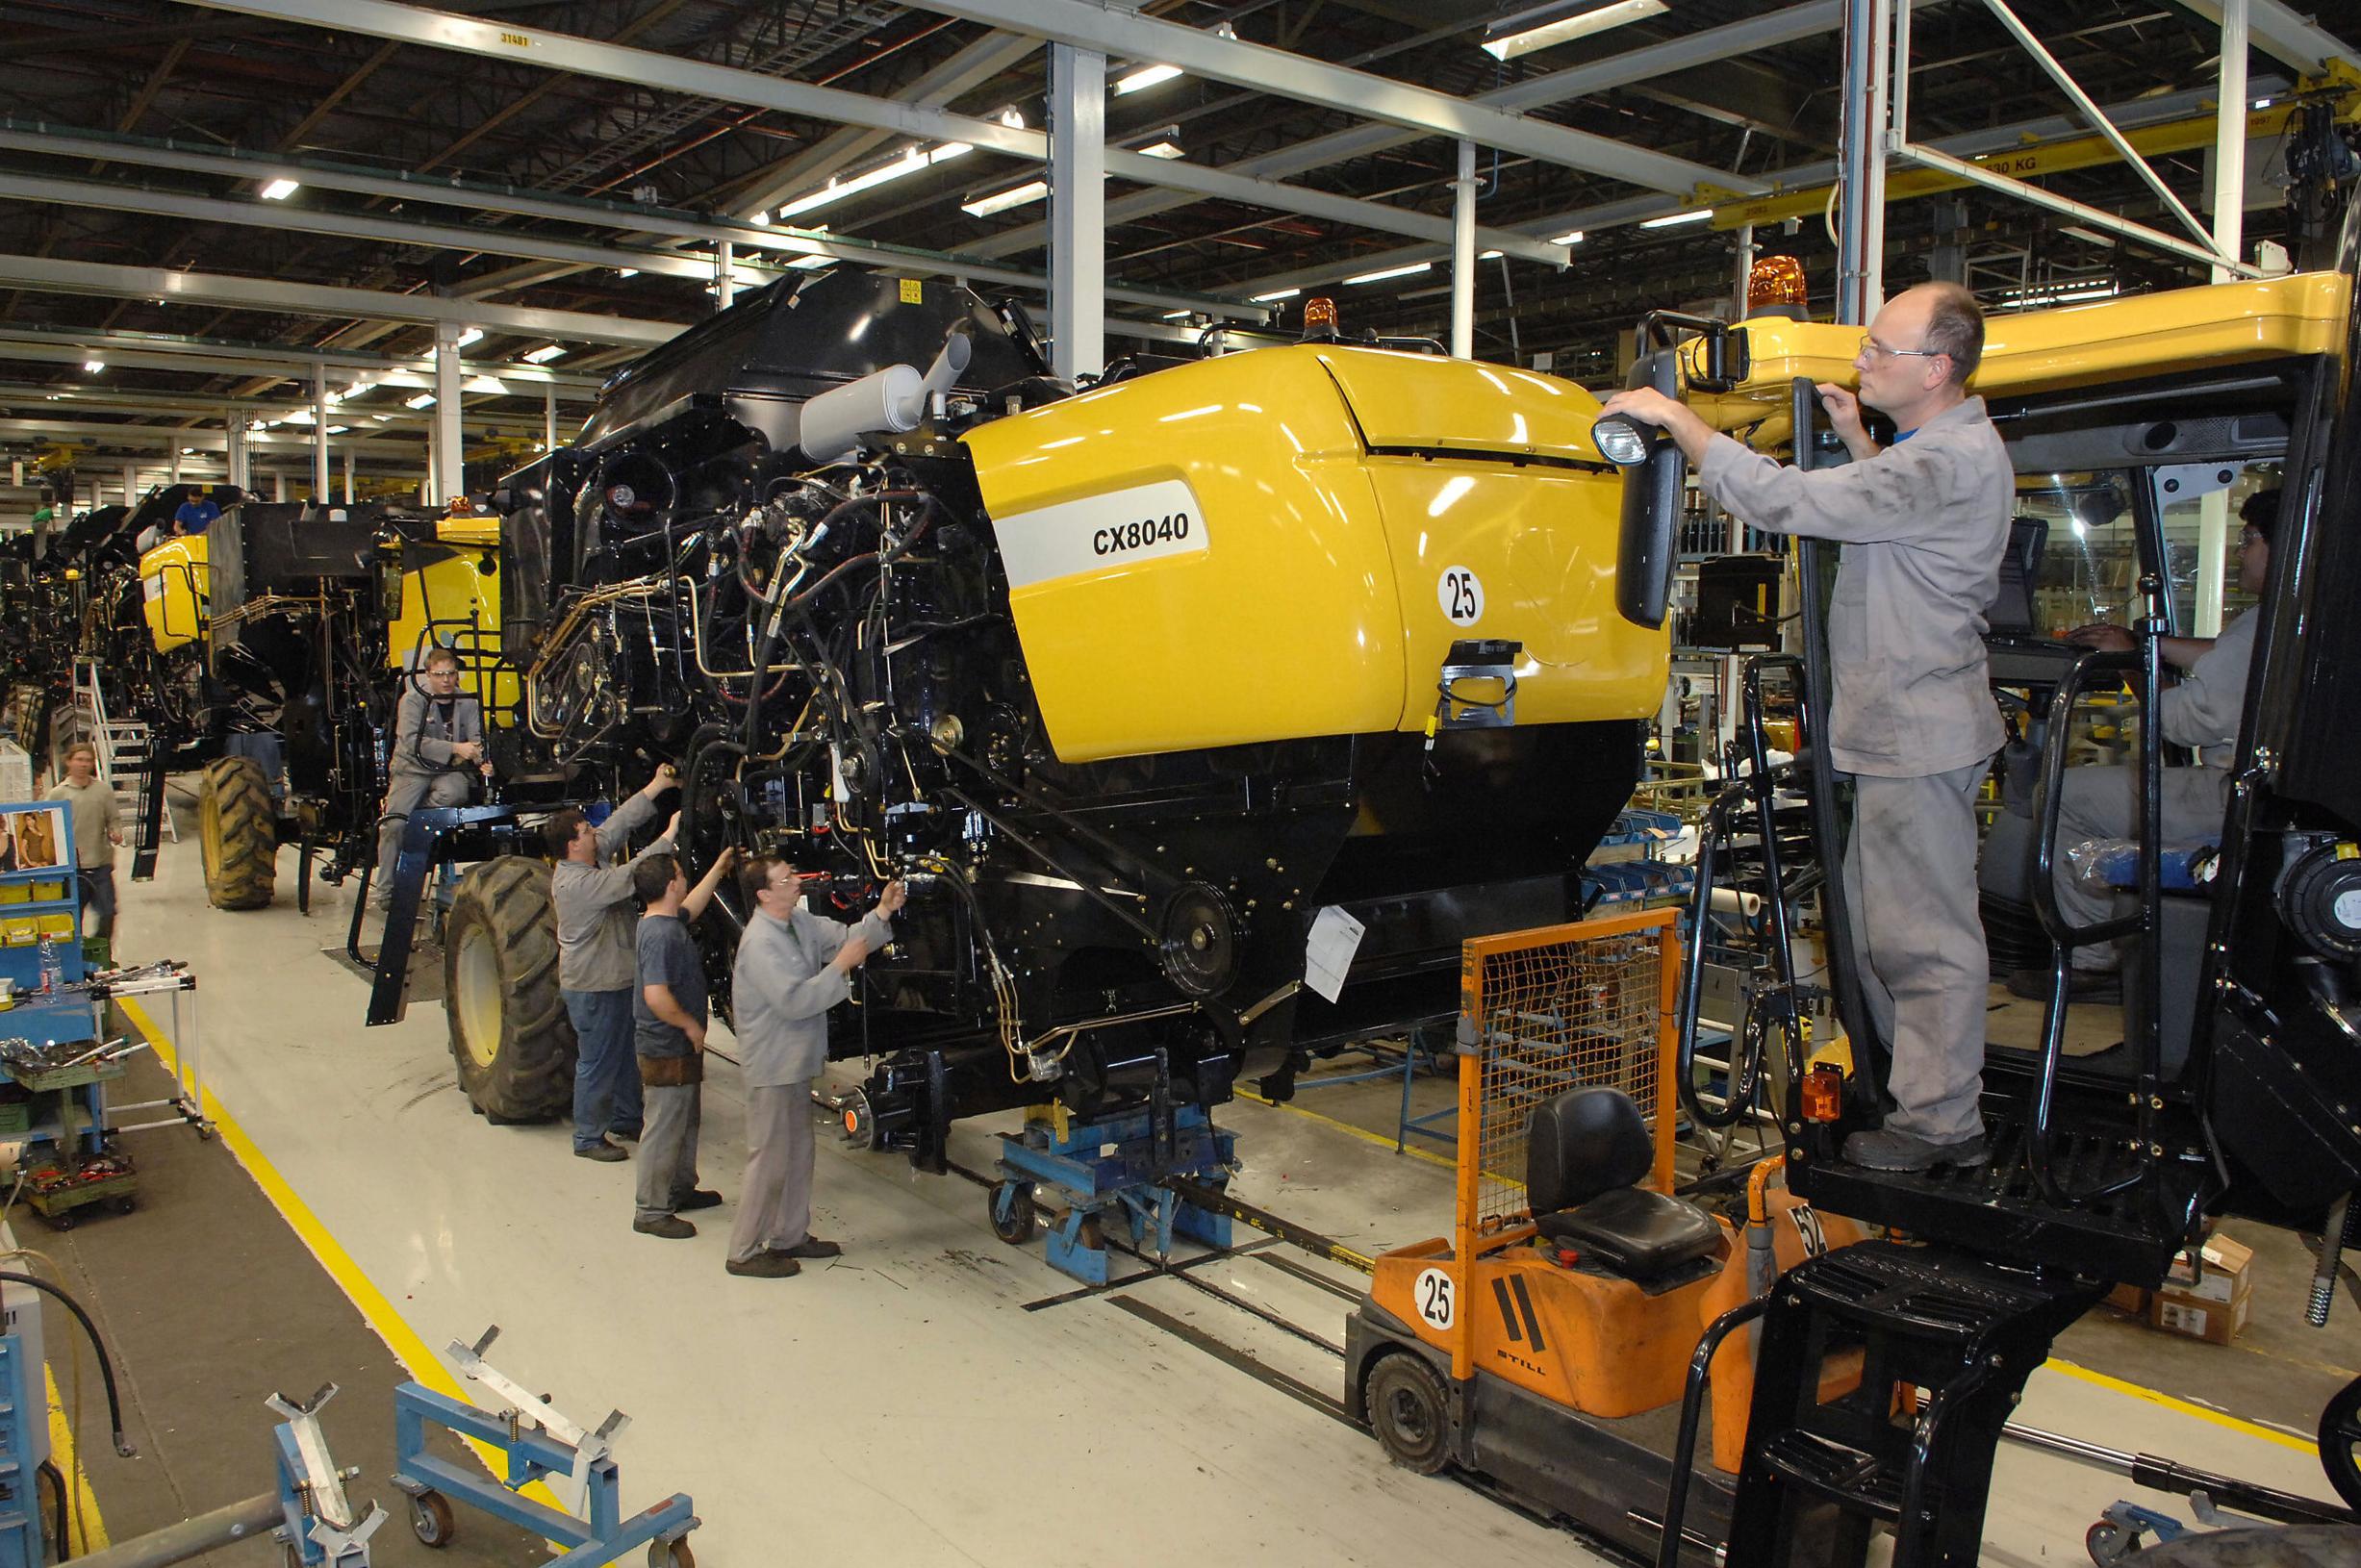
point(438, 754)
point(793, 965)
point(1924, 523)
point(2202, 712)
point(596, 963)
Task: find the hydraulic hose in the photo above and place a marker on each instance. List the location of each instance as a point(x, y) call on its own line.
point(106, 1363)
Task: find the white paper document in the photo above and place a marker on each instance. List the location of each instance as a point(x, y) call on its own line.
point(1336, 937)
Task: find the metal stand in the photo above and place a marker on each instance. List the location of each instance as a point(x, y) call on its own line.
point(186, 1103)
point(539, 1442)
point(1100, 1172)
point(322, 1527)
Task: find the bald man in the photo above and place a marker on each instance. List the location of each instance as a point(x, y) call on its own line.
point(1924, 523)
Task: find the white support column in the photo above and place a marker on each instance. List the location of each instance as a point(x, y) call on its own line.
point(1745, 270)
point(278, 483)
point(176, 479)
point(548, 419)
point(725, 285)
point(2230, 163)
point(351, 494)
point(449, 446)
point(319, 433)
point(1464, 256)
point(234, 447)
point(2213, 557)
point(131, 483)
point(1078, 210)
point(1861, 201)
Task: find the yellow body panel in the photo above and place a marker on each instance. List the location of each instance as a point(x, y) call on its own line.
point(1214, 555)
point(2035, 351)
point(454, 598)
point(176, 579)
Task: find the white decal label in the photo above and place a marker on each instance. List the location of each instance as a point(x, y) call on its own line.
point(1460, 595)
point(1121, 528)
point(1433, 1297)
point(152, 586)
point(2349, 910)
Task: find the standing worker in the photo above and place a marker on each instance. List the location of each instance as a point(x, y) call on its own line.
point(668, 1018)
point(597, 970)
point(438, 754)
point(1924, 523)
point(793, 965)
point(97, 832)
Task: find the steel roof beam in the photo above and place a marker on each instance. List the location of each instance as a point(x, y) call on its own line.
point(154, 351)
point(383, 421)
point(2285, 36)
point(172, 437)
point(281, 296)
point(725, 84)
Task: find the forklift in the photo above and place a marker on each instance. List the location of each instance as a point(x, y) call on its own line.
point(1538, 1343)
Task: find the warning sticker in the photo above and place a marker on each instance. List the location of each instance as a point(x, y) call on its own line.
point(912, 293)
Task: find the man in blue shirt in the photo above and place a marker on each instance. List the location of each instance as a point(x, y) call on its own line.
point(196, 513)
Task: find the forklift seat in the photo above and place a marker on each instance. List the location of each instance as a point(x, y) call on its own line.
point(1585, 1152)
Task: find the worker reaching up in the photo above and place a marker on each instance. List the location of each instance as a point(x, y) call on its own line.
point(1924, 523)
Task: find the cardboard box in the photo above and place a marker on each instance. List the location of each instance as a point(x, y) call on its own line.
point(2212, 1321)
point(2207, 1294)
point(2129, 1299)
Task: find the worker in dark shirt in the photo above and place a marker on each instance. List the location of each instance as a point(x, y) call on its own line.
point(668, 1017)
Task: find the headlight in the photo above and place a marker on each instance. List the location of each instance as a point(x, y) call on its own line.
point(1624, 441)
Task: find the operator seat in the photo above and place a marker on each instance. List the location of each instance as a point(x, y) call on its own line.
point(1585, 1152)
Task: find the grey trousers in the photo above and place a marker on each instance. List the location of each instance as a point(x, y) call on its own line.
point(668, 1147)
point(775, 1208)
point(2104, 803)
point(1909, 875)
point(404, 794)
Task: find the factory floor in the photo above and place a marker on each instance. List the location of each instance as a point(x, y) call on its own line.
point(934, 1396)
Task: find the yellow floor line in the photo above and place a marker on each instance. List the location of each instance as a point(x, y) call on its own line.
point(407, 1347)
point(2152, 1396)
point(1363, 1133)
point(91, 1535)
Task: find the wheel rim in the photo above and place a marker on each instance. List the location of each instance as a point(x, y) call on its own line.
point(1410, 1418)
point(476, 993)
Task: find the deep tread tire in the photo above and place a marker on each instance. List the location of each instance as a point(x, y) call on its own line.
point(499, 972)
point(1408, 1412)
point(238, 828)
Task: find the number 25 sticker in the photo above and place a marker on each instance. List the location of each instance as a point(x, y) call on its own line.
point(1433, 1299)
point(1460, 595)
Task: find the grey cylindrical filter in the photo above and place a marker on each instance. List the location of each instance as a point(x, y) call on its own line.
point(891, 400)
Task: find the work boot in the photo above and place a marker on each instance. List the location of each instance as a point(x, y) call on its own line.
point(2099, 987)
point(702, 1198)
point(765, 1266)
point(1887, 1149)
point(671, 1227)
point(808, 1247)
point(606, 1153)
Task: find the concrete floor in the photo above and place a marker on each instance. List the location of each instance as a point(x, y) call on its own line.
point(936, 1397)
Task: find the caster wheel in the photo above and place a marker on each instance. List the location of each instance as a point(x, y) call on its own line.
point(125, 1205)
point(1408, 1412)
point(61, 1222)
point(2340, 1443)
point(2108, 1543)
point(205, 1133)
point(1014, 1218)
point(671, 1555)
point(431, 1520)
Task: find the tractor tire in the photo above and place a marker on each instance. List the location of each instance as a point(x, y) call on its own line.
point(510, 1035)
point(238, 829)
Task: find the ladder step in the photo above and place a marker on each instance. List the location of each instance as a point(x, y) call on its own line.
point(1837, 1470)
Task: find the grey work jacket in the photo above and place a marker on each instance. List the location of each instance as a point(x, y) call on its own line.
point(423, 737)
point(2204, 709)
point(781, 989)
point(1923, 524)
point(597, 917)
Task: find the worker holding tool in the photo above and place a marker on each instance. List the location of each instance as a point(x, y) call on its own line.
point(1924, 523)
point(596, 971)
point(438, 755)
point(793, 965)
point(668, 1018)
point(2202, 712)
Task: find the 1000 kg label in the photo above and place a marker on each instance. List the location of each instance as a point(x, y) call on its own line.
point(1138, 536)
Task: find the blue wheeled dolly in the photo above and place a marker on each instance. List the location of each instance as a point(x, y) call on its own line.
point(1101, 1173)
point(539, 1443)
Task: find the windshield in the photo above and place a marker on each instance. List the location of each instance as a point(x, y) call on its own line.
point(2076, 533)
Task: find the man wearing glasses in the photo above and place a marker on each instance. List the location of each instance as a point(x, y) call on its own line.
point(2202, 712)
point(438, 751)
point(1924, 523)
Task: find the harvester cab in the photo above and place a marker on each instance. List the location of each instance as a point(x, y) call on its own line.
point(2131, 424)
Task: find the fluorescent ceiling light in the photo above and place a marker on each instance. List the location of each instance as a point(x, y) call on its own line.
point(1162, 149)
point(1013, 117)
point(356, 388)
point(1144, 78)
point(909, 163)
point(280, 189)
point(1541, 26)
point(1276, 296)
point(1572, 236)
point(1032, 191)
point(1488, 256)
point(760, 220)
point(338, 429)
point(2262, 103)
point(1675, 220)
point(1381, 274)
point(383, 418)
point(474, 334)
point(544, 354)
point(92, 366)
point(808, 264)
point(2091, 236)
point(1178, 315)
point(188, 452)
point(421, 400)
point(627, 271)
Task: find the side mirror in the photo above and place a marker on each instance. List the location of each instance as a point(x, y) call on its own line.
point(1653, 475)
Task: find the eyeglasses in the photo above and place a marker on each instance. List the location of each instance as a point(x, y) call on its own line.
point(1870, 345)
